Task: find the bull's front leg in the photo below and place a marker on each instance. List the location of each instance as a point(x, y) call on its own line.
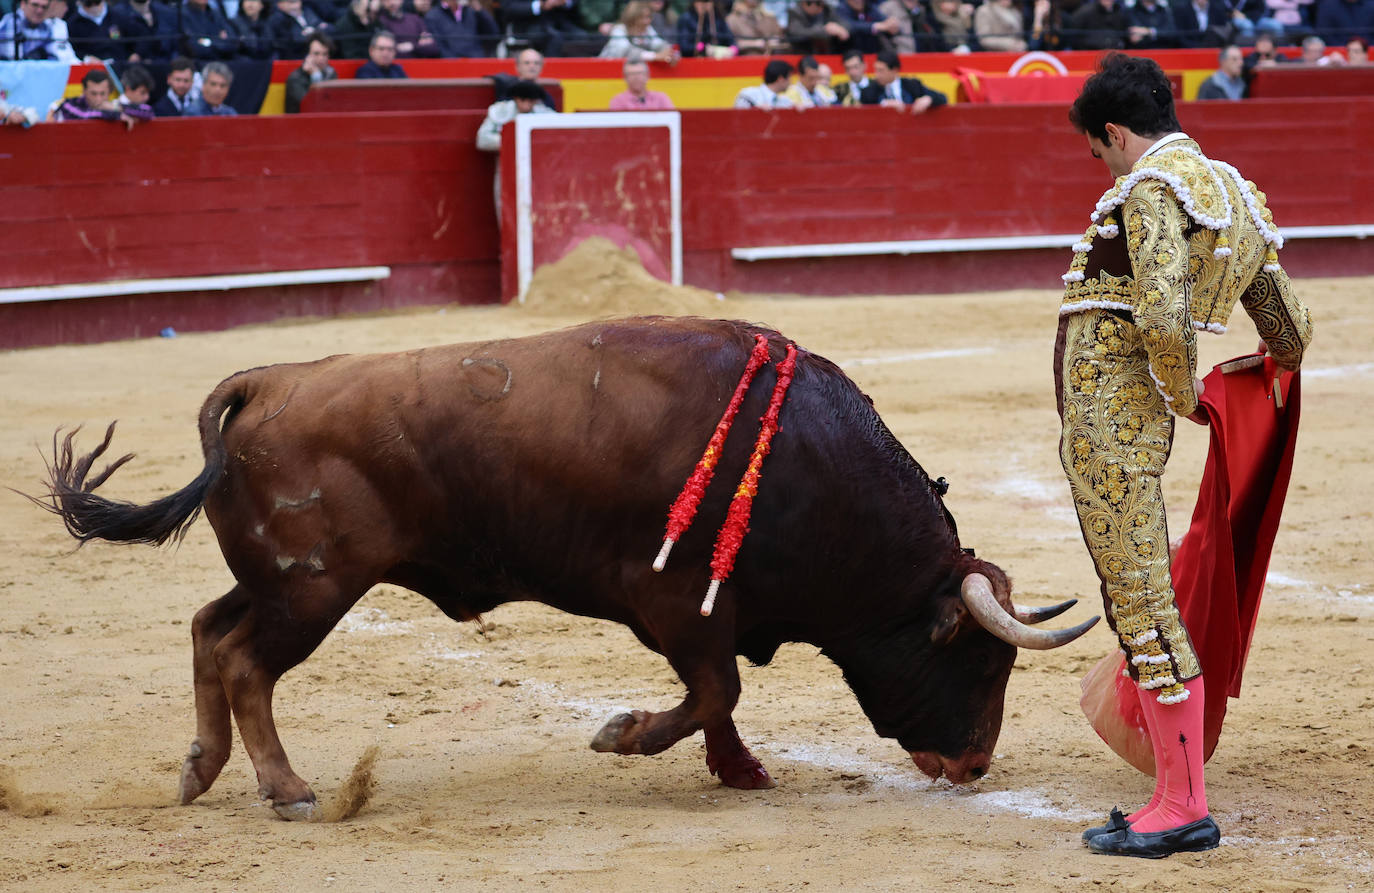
point(731, 761)
point(705, 660)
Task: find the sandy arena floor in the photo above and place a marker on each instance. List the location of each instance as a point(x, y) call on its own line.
point(483, 774)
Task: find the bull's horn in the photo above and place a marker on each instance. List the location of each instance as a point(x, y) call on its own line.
point(1027, 614)
point(977, 593)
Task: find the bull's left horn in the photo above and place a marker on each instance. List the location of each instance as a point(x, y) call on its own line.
point(1040, 613)
point(977, 594)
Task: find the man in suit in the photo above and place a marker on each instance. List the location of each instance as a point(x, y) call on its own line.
point(889, 88)
point(1201, 23)
point(180, 80)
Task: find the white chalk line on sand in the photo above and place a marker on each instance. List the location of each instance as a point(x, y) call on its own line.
point(1350, 371)
point(918, 355)
point(904, 777)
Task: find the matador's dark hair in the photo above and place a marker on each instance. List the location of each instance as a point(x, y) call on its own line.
point(1130, 91)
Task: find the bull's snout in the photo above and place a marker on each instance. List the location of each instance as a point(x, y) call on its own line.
point(968, 767)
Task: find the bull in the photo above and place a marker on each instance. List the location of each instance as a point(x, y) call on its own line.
point(540, 469)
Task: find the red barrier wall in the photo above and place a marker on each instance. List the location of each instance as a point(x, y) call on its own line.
point(857, 175)
point(1311, 80)
point(410, 95)
point(90, 202)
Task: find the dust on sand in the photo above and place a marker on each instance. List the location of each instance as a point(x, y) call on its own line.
point(486, 780)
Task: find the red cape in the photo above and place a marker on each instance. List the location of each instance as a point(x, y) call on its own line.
point(1220, 567)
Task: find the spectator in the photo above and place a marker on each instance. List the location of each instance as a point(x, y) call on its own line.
point(865, 24)
point(462, 30)
point(214, 89)
point(599, 16)
point(954, 23)
point(292, 27)
point(545, 24)
point(16, 115)
point(314, 68)
point(777, 76)
point(253, 29)
point(1357, 52)
point(354, 29)
point(1201, 23)
point(637, 96)
point(524, 100)
point(1340, 20)
point(40, 37)
point(813, 28)
point(855, 69)
point(413, 40)
point(635, 39)
point(1241, 17)
point(1313, 50)
point(529, 64)
point(703, 31)
point(1314, 53)
point(756, 29)
point(1044, 29)
point(138, 89)
point(177, 99)
point(1150, 26)
point(1266, 55)
point(93, 103)
point(327, 11)
point(889, 89)
point(1001, 26)
point(94, 32)
point(810, 91)
point(1228, 82)
point(381, 56)
point(914, 30)
point(666, 16)
point(1289, 15)
point(1098, 25)
point(149, 29)
point(206, 33)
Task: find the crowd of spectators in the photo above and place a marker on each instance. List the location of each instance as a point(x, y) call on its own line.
point(652, 30)
point(193, 41)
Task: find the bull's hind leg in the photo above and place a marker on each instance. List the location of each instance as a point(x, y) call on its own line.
point(702, 653)
point(210, 747)
point(276, 635)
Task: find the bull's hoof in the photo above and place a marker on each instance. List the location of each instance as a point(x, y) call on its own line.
point(745, 775)
point(197, 774)
point(614, 736)
point(300, 811)
point(191, 786)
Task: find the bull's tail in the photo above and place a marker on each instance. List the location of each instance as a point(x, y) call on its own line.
point(89, 516)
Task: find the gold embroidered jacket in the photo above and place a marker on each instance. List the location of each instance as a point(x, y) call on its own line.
point(1198, 238)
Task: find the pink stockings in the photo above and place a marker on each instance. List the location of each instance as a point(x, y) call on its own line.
point(1180, 794)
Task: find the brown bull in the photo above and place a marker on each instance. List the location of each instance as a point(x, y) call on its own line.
point(541, 469)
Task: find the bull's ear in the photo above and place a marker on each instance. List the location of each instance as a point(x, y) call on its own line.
point(954, 614)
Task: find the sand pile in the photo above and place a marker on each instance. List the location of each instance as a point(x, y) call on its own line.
point(598, 279)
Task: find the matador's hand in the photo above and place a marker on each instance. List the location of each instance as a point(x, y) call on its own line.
point(1198, 415)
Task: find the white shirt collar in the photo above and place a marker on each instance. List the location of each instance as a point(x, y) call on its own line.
point(1171, 138)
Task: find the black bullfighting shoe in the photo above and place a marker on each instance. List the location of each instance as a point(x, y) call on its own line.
point(1193, 837)
point(1115, 822)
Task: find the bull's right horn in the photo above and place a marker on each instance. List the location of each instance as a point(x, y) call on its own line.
point(977, 593)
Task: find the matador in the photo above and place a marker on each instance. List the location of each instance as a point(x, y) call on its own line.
point(1172, 247)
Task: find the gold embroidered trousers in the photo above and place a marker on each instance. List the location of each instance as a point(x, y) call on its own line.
point(1115, 441)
